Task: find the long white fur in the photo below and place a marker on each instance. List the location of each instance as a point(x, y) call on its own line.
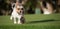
point(16, 15)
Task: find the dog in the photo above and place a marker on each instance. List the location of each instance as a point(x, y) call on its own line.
point(17, 13)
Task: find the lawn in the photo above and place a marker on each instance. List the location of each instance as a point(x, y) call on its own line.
point(33, 21)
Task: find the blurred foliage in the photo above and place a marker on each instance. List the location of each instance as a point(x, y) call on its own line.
point(5, 5)
point(31, 3)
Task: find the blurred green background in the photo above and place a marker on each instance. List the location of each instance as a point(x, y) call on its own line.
point(31, 6)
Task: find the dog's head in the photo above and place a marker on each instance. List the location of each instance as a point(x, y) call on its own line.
point(19, 9)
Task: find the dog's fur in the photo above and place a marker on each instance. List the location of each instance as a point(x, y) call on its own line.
point(17, 13)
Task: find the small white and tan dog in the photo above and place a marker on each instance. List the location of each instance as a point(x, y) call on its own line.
point(17, 13)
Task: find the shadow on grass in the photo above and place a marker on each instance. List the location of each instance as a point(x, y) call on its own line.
point(42, 21)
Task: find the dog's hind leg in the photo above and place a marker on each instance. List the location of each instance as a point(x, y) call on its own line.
point(22, 20)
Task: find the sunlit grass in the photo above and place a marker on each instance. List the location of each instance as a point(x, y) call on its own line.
point(33, 21)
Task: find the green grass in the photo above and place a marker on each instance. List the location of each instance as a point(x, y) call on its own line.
point(33, 21)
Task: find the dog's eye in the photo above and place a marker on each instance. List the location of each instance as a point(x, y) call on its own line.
point(21, 8)
point(18, 8)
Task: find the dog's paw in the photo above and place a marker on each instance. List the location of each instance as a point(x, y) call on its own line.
point(19, 23)
point(10, 18)
point(14, 22)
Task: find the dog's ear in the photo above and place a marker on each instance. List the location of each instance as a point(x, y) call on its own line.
point(13, 6)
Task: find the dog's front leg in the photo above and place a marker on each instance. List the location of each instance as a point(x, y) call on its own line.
point(11, 17)
point(14, 20)
point(19, 21)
